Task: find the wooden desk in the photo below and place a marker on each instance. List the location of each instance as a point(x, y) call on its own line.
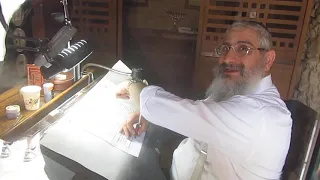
point(28, 123)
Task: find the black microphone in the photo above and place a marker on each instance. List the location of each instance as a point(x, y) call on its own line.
point(67, 59)
point(56, 45)
point(74, 55)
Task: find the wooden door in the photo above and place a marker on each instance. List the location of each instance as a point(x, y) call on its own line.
point(284, 19)
point(99, 22)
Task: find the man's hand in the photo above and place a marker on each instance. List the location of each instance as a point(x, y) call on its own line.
point(131, 89)
point(128, 128)
point(122, 91)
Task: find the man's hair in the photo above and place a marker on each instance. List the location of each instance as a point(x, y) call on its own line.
point(262, 31)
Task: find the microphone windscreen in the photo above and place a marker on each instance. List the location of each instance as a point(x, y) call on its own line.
point(74, 55)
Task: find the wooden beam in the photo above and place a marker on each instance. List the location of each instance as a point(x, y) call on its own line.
point(296, 71)
point(203, 9)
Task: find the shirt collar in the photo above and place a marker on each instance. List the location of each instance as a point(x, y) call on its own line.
point(264, 84)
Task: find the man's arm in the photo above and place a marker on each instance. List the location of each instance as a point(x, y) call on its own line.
point(130, 89)
point(210, 122)
point(242, 128)
point(135, 89)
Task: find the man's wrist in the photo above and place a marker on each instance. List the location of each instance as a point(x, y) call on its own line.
point(132, 81)
point(135, 81)
point(134, 88)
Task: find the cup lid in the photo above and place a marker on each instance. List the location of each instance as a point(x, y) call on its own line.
point(30, 89)
point(13, 108)
point(48, 85)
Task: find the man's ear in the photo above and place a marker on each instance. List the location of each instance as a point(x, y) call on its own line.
point(269, 58)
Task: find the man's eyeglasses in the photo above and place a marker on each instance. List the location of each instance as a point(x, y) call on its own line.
point(239, 49)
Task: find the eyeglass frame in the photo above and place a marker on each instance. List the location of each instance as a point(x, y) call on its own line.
point(232, 46)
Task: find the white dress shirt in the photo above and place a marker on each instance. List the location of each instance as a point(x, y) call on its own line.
point(248, 136)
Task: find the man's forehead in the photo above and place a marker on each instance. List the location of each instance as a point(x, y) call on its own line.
point(242, 35)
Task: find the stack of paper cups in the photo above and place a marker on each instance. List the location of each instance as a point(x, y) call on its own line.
point(48, 91)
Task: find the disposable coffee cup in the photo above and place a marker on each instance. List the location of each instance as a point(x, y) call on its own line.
point(31, 97)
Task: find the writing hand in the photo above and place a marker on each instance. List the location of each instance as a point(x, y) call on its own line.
point(128, 127)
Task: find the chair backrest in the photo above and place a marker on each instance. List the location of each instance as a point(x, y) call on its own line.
point(305, 130)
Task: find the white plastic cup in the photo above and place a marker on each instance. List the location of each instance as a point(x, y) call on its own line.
point(31, 97)
point(48, 91)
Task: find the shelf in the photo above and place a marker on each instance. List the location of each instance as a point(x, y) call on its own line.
point(178, 36)
point(12, 130)
point(168, 34)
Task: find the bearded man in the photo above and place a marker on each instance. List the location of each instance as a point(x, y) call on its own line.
point(242, 129)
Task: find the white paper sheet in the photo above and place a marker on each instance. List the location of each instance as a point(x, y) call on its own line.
point(86, 149)
point(100, 113)
point(89, 143)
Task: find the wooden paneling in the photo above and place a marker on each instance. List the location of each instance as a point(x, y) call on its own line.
point(205, 73)
point(43, 23)
point(99, 22)
point(283, 19)
point(38, 20)
point(281, 77)
point(154, 16)
point(166, 56)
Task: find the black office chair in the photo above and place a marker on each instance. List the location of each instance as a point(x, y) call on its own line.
point(305, 130)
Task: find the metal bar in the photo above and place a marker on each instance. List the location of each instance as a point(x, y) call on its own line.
point(23, 48)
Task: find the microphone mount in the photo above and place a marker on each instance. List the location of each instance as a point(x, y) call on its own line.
point(136, 73)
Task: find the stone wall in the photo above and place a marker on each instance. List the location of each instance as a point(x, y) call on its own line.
point(308, 89)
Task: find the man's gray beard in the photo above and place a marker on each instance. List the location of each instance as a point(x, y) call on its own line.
point(222, 89)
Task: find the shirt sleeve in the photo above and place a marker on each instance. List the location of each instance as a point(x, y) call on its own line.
point(206, 121)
